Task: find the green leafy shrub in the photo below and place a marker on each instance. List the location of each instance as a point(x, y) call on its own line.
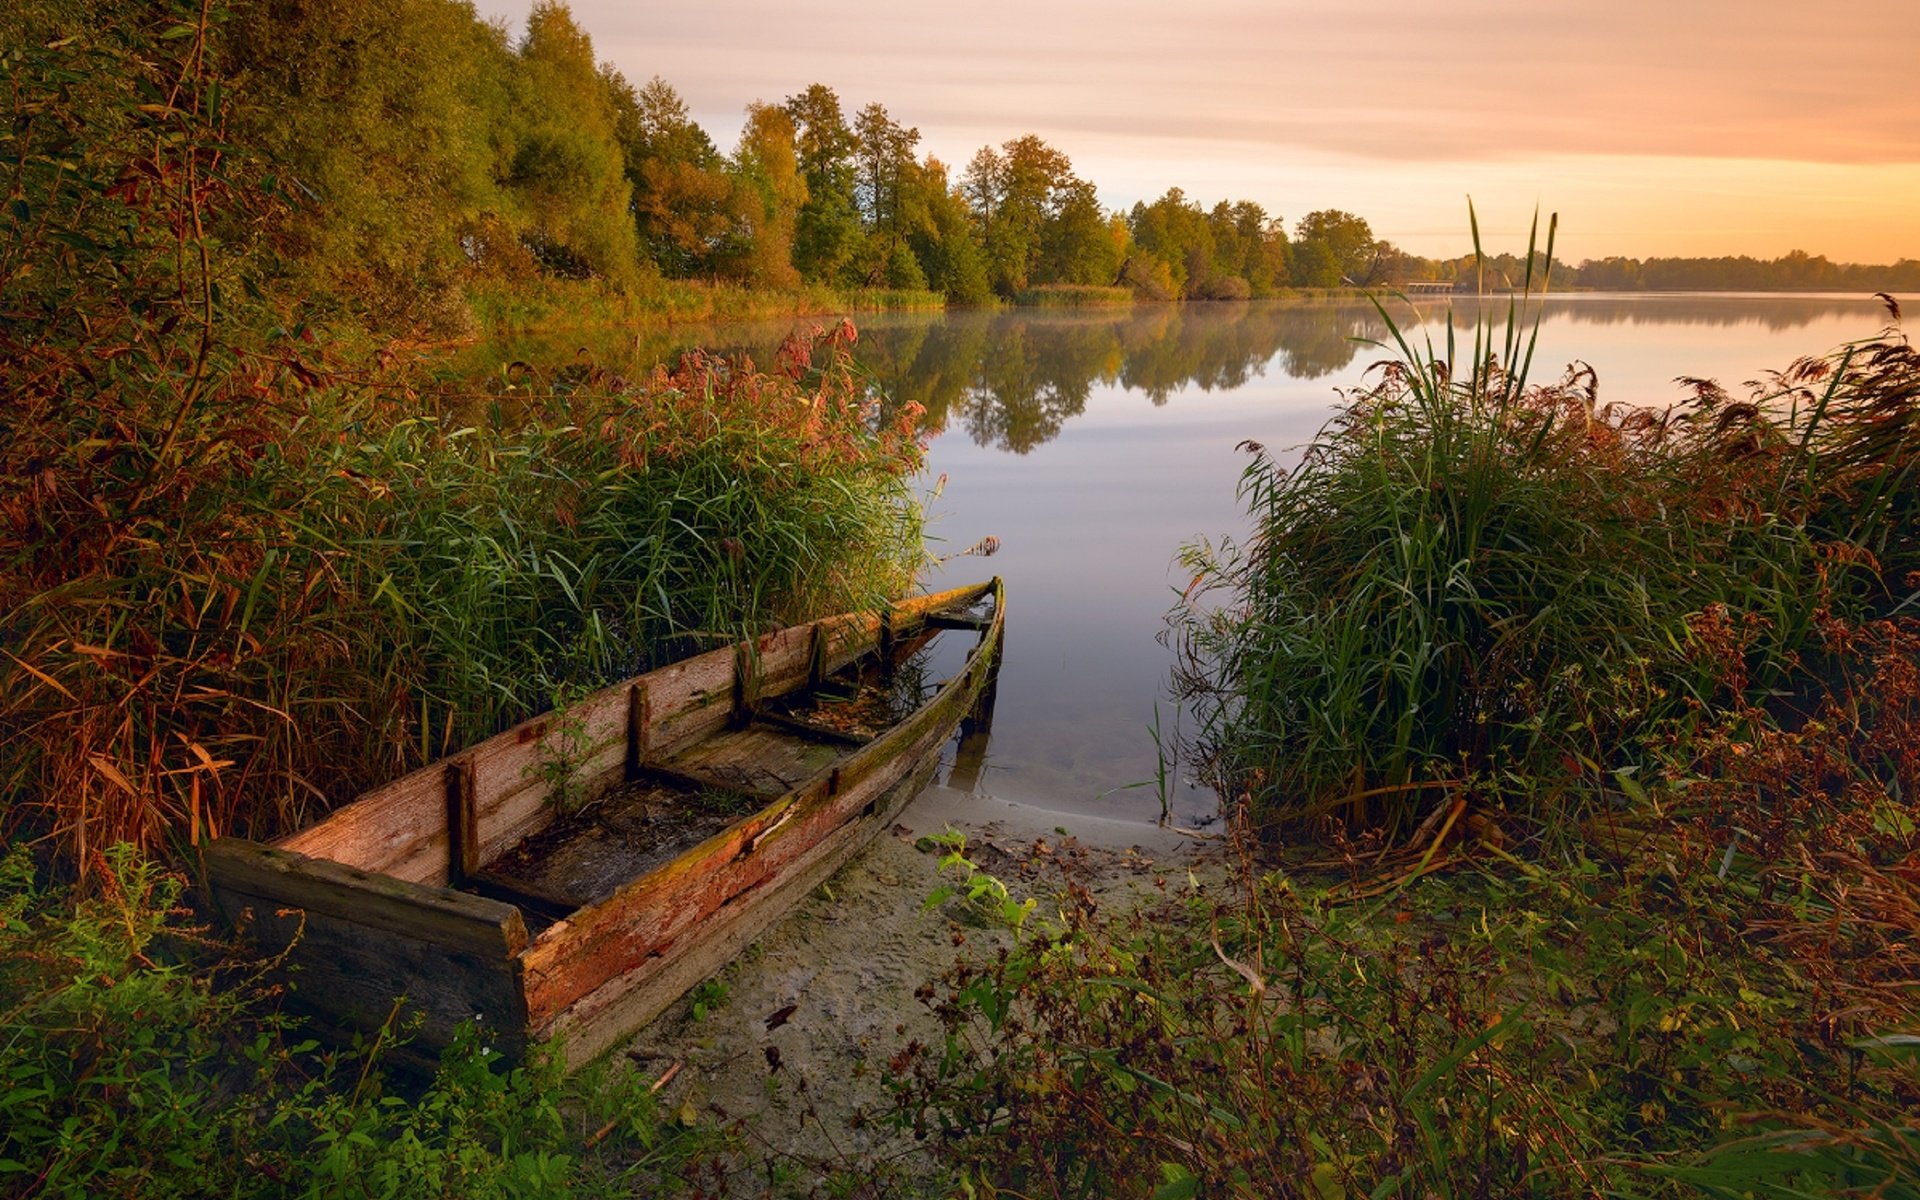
point(136, 1060)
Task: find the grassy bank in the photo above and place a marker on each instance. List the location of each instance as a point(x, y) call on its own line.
point(1631, 1014)
point(1062, 295)
point(538, 305)
point(1574, 757)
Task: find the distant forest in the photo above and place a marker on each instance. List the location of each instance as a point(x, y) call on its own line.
point(425, 151)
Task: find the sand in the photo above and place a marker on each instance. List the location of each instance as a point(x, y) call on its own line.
point(789, 1043)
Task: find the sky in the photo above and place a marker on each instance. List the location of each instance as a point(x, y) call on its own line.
point(1653, 127)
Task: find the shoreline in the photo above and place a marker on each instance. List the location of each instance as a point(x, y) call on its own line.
point(789, 1043)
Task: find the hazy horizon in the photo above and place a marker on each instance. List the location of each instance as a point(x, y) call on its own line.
point(1654, 129)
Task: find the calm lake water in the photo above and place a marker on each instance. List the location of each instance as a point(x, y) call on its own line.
point(1094, 444)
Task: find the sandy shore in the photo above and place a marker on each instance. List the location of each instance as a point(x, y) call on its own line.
point(791, 1041)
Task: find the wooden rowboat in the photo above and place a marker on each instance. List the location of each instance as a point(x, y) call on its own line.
point(572, 876)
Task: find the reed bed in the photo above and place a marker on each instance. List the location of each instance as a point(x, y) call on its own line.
point(1470, 585)
point(246, 571)
point(1074, 295)
point(371, 585)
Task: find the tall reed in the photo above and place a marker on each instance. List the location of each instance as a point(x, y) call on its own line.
point(1471, 584)
point(244, 574)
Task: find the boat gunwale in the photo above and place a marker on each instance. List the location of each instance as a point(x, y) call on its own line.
point(745, 836)
point(862, 778)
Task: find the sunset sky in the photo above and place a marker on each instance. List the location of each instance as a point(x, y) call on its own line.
point(1654, 127)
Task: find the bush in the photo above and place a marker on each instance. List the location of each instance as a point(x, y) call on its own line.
point(1469, 585)
point(136, 1060)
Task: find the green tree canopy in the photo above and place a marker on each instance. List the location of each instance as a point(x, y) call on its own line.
point(1348, 241)
point(1036, 217)
point(946, 244)
point(382, 113)
point(681, 190)
point(568, 172)
point(768, 196)
point(828, 231)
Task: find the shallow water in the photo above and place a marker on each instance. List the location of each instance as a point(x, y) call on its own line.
point(1094, 444)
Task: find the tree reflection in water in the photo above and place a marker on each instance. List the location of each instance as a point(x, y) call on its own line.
point(1012, 379)
point(1139, 411)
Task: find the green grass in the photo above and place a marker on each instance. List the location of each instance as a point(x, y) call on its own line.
point(550, 304)
point(1065, 295)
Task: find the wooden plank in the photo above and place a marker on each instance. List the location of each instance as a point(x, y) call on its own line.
point(781, 658)
point(353, 973)
point(512, 780)
point(399, 829)
point(244, 872)
point(953, 598)
point(638, 749)
point(689, 699)
point(463, 829)
point(811, 729)
point(944, 621)
point(523, 895)
point(599, 1021)
point(817, 654)
point(760, 760)
point(649, 918)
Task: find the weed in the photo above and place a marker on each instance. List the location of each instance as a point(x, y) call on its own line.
point(564, 746)
point(706, 998)
point(137, 1059)
point(983, 893)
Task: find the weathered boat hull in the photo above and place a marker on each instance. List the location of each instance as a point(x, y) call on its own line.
point(367, 904)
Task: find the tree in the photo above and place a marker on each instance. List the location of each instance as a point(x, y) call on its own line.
point(1249, 245)
point(945, 244)
point(382, 115)
point(567, 169)
point(1015, 192)
point(1314, 265)
point(828, 231)
point(768, 196)
point(1079, 242)
point(1173, 233)
point(1348, 241)
point(888, 203)
point(681, 191)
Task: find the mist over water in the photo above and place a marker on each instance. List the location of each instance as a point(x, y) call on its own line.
point(1094, 443)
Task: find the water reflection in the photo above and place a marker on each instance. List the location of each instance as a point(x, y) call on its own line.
point(1013, 380)
point(1093, 444)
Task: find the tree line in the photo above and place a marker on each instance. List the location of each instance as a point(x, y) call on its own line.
point(424, 149)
